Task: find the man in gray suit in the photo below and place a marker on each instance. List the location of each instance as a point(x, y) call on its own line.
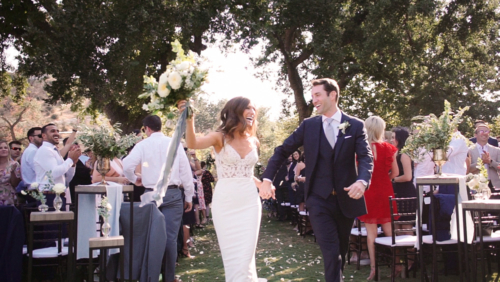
point(490, 155)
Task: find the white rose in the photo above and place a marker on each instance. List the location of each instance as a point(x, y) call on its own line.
point(34, 185)
point(473, 183)
point(482, 178)
point(175, 80)
point(59, 188)
point(182, 66)
point(145, 107)
point(163, 90)
point(109, 207)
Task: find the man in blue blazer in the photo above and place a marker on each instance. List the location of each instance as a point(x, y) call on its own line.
point(339, 166)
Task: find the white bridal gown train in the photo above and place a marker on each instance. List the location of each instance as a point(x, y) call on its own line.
point(236, 210)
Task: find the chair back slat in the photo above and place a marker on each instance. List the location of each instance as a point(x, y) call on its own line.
point(399, 207)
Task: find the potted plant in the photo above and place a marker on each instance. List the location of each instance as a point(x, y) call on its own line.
point(433, 134)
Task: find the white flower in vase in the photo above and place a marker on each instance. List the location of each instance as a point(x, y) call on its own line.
point(163, 90)
point(59, 188)
point(175, 80)
point(182, 66)
point(34, 185)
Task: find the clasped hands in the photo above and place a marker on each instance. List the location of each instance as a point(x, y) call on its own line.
point(266, 190)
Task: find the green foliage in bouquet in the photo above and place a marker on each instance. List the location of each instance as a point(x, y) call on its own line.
point(432, 132)
point(105, 141)
point(182, 79)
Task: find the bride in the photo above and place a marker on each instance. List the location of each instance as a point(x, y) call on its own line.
point(236, 204)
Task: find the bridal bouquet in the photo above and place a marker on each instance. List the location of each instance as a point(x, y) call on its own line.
point(106, 141)
point(182, 79)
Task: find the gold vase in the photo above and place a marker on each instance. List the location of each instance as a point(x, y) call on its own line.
point(439, 158)
point(103, 167)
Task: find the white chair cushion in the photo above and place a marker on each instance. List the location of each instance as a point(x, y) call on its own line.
point(401, 241)
point(50, 252)
point(355, 231)
point(427, 239)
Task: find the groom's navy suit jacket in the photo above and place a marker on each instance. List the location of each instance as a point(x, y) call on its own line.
point(350, 148)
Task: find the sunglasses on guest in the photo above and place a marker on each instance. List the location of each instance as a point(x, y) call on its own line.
point(37, 135)
point(15, 148)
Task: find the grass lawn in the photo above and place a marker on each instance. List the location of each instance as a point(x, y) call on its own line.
point(282, 255)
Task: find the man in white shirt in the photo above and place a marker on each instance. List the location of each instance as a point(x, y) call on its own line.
point(488, 153)
point(27, 166)
point(151, 154)
point(48, 158)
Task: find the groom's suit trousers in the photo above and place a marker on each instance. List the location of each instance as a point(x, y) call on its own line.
point(172, 208)
point(332, 230)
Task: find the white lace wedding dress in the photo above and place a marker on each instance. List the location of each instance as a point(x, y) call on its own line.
point(236, 210)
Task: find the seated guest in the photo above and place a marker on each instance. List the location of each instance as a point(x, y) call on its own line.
point(489, 154)
point(10, 176)
point(492, 141)
point(15, 150)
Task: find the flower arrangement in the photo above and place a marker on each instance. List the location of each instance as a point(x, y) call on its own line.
point(35, 193)
point(106, 142)
point(181, 80)
point(105, 208)
point(433, 132)
point(479, 181)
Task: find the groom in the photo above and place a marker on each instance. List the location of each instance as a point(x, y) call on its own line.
point(334, 144)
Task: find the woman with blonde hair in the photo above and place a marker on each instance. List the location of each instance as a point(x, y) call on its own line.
point(377, 195)
point(10, 176)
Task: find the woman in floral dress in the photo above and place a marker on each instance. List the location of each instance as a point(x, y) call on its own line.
point(10, 176)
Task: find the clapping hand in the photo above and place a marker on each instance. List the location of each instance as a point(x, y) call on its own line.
point(74, 153)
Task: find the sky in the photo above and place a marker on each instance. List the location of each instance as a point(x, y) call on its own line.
point(230, 75)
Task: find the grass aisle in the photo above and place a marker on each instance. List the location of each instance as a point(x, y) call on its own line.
point(282, 255)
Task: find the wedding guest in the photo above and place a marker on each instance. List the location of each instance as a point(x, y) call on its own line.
point(115, 173)
point(27, 164)
point(207, 179)
point(423, 167)
point(300, 179)
point(82, 174)
point(489, 154)
point(15, 150)
point(151, 154)
point(199, 199)
point(385, 168)
point(282, 188)
point(292, 195)
point(492, 141)
point(10, 176)
point(48, 158)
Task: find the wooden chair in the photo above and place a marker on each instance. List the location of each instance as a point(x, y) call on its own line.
point(398, 245)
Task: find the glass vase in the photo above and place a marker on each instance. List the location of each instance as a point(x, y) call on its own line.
point(103, 167)
point(485, 193)
point(106, 228)
point(439, 158)
point(58, 202)
point(43, 207)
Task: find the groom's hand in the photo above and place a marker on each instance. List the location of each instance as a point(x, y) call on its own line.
point(356, 190)
point(266, 190)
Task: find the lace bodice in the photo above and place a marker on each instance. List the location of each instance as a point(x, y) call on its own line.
point(231, 165)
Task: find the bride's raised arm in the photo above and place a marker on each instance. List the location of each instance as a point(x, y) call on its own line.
point(192, 141)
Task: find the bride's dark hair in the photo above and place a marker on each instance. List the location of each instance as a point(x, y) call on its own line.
point(233, 120)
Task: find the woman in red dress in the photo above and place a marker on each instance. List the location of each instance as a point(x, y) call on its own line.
point(385, 168)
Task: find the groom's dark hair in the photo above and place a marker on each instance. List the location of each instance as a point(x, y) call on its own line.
point(329, 85)
point(153, 122)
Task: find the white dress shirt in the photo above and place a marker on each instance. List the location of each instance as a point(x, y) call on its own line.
point(424, 166)
point(337, 117)
point(151, 154)
point(47, 158)
point(457, 153)
point(27, 165)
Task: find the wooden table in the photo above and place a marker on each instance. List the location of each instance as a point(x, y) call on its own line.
point(433, 181)
point(101, 190)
